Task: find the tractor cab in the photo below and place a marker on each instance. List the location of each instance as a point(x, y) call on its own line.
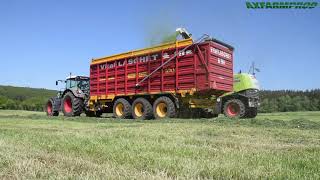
point(79, 83)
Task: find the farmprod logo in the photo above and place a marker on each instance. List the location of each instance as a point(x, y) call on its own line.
point(281, 5)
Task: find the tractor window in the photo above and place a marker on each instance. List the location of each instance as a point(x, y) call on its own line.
point(71, 83)
point(83, 84)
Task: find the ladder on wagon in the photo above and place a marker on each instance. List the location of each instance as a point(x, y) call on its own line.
point(203, 37)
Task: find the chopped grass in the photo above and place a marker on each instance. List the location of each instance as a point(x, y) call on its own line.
point(274, 146)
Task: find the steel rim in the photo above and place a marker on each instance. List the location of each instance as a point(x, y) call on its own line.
point(67, 104)
point(138, 109)
point(161, 109)
point(233, 109)
point(49, 107)
point(119, 109)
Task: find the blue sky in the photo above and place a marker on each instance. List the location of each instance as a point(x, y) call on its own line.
point(41, 41)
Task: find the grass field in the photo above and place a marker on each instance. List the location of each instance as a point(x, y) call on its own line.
point(276, 146)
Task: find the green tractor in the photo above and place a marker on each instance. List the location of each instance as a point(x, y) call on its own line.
point(243, 102)
point(72, 100)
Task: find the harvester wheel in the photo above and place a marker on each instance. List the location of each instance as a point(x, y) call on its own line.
point(234, 108)
point(49, 108)
point(122, 109)
point(71, 105)
point(164, 107)
point(141, 109)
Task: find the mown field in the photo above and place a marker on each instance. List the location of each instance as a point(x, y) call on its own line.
point(273, 146)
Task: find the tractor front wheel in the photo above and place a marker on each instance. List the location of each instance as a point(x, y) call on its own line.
point(49, 108)
point(71, 105)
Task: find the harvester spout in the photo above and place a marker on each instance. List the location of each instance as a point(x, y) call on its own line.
point(184, 33)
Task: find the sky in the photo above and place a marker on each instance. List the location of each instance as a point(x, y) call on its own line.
point(42, 41)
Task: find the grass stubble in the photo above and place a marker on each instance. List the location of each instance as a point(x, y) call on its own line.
point(272, 146)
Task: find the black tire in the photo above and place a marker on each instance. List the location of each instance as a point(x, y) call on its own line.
point(71, 105)
point(98, 113)
point(164, 107)
point(122, 109)
point(90, 113)
point(49, 108)
point(93, 114)
point(184, 112)
point(207, 113)
point(234, 108)
point(141, 109)
point(251, 112)
point(55, 113)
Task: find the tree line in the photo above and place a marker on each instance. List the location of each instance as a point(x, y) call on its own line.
point(33, 99)
point(24, 98)
point(289, 100)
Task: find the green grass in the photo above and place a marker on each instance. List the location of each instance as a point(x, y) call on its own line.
point(274, 146)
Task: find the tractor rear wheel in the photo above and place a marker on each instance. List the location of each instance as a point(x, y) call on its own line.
point(122, 109)
point(234, 108)
point(141, 109)
point(164, 107)
point(49, 108)
point(71, 105)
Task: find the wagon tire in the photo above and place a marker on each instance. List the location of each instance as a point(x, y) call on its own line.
point(71, 105)
point(141, 109)
point(234, 108)
point(122, 109)
point(164, 107)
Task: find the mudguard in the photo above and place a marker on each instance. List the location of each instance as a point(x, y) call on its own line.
point(76, 93)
